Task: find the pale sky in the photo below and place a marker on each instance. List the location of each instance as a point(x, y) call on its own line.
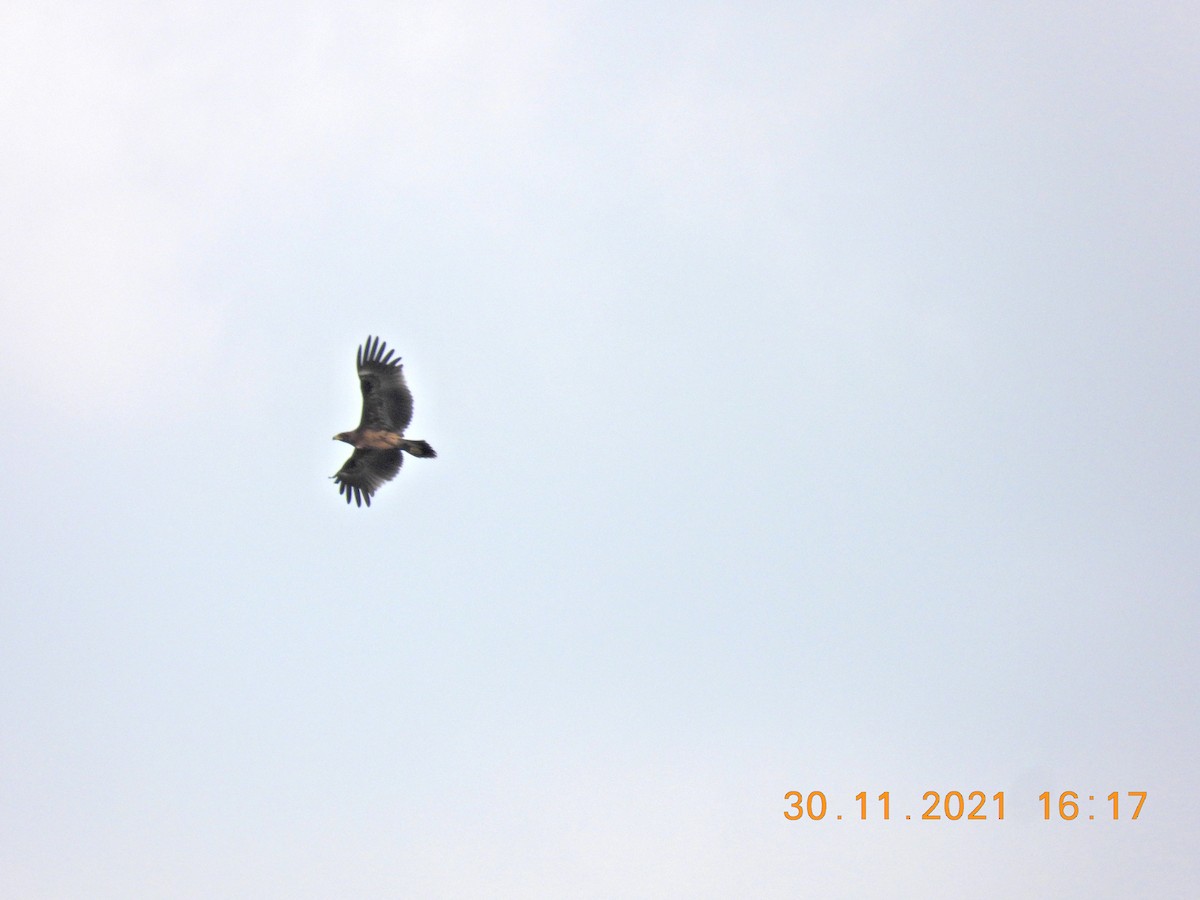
point(815, 389)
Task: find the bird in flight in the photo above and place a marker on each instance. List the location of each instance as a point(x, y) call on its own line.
point(379, 442)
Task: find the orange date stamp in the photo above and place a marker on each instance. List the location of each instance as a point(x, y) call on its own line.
point(969, 806)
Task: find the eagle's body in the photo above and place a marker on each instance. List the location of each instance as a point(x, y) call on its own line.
point(379, 442)
point(370, 439)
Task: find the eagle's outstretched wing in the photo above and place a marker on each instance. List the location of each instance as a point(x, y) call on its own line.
point(366, 471)
point(387, 401)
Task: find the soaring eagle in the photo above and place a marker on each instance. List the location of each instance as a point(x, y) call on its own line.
point(379, 439)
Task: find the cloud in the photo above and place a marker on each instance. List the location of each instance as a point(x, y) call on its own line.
point(92, 284)
point(145, 136)
point(138, 135)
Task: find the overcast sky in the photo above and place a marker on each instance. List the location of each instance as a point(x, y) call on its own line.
point(815, 390)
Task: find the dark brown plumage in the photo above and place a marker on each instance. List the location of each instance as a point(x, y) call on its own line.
point(379, 442)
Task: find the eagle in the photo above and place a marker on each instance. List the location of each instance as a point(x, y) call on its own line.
point(379, 442)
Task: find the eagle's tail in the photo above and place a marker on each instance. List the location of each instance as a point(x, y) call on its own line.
point(418, 448)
